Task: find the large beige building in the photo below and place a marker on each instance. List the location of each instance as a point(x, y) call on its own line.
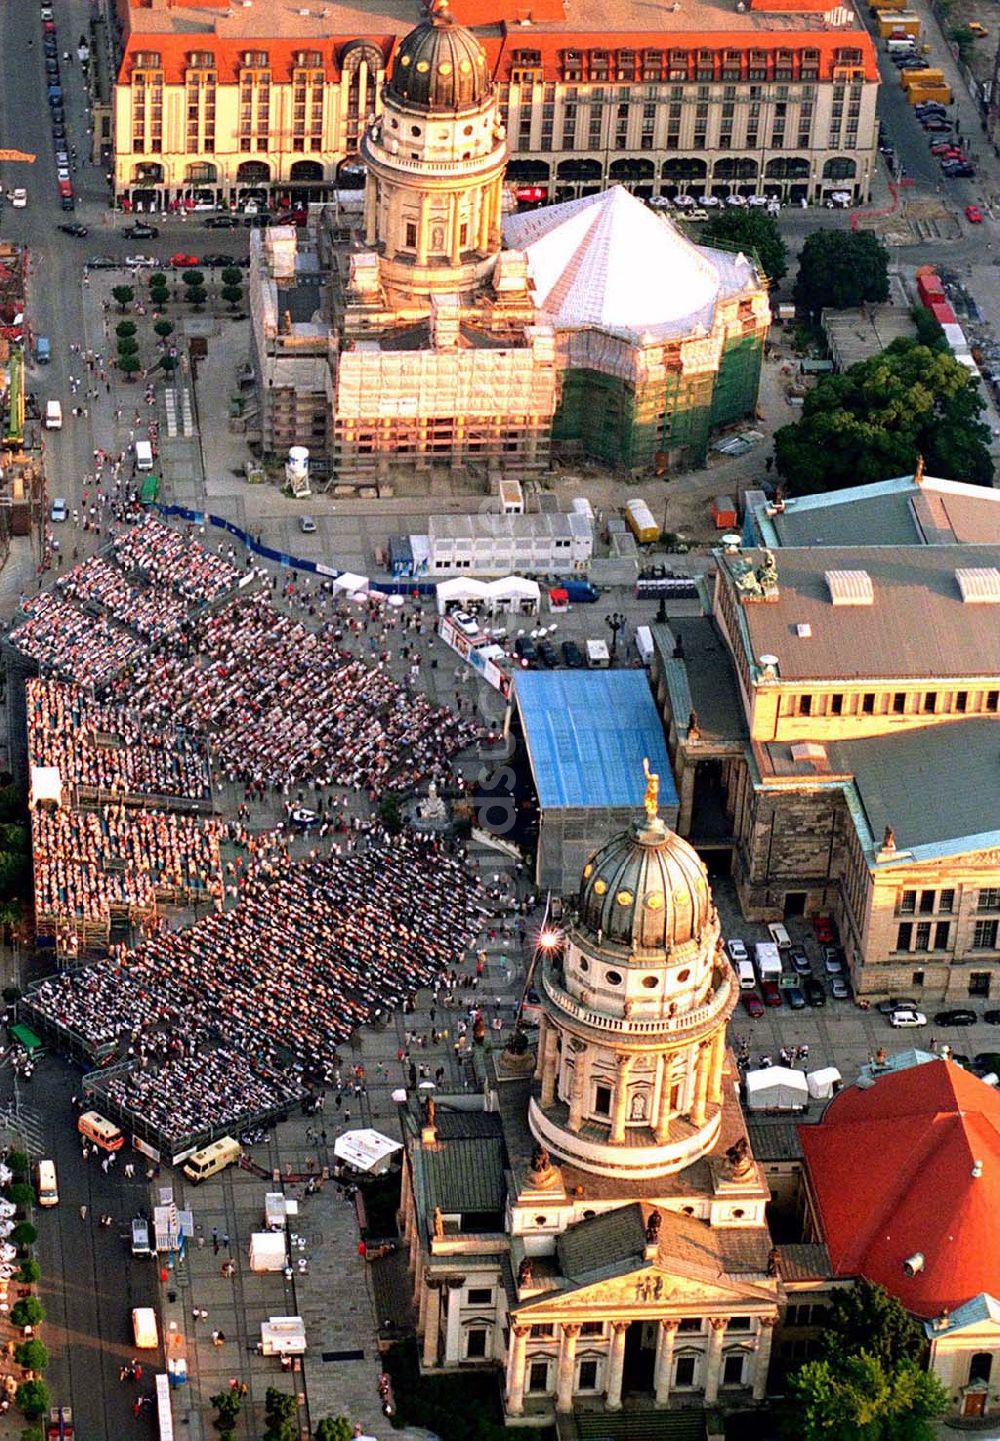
point(599, 1229)
point(834, 724)
point(214, 103)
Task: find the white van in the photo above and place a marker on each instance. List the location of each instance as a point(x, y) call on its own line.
point(145, 1329)
point(598, 655)
point(210, 1160)
point(747, 978)
point(644, 644)
point(779, 936)
point(53, 415)
point(48, 1188)
point(768, 961)
point(143, 455)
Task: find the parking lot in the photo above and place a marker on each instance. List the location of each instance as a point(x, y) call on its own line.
point(837, 1033)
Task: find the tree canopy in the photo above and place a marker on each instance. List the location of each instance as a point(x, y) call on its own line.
point(840, 269)
point(751, 230)
point(865, 1317)
point(860, 1399)
point(871, 423)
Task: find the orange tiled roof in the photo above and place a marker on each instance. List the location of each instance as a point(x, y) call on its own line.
point(891, 1170)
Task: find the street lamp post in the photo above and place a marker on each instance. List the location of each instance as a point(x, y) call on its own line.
point(616, 623)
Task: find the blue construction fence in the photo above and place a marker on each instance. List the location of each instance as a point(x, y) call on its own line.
point(292, 562)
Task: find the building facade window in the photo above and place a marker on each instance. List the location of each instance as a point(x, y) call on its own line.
point(904, 936)
point(989, 899)
point(979, 984)
point(684, 1370)
point(475, 1343)
point(587, 1378)
point(984, 935)
point(538, 1377)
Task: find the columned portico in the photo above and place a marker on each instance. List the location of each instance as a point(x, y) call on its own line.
point(515, 1369)
point(566, 1369)
point(432, 1323)
point(713, 1364)
point(665, 1340)
point(763, 1358)
point(616, 1365)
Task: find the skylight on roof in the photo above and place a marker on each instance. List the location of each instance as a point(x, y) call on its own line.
point(979, 584)
point(850, 587)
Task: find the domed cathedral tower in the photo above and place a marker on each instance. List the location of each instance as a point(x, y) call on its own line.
point(633, 1034)
point(435, 161)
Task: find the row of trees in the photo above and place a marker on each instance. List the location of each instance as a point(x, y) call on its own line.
point(32, 1395)
point(196, 293)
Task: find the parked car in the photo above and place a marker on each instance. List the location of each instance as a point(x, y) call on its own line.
point(823, 929)
point(101, 262)
point(901, 1019)
point(954, 170)
point(222, 222)
point(182, 261)
point(59, 511)
point(800, 961)
point(795, 998)
point(815, 991)
point(547, 654)
point(142, 262)
point(524, 649)
point(770, 993)
point(960, 1016)
point(466, 623)
point(839, 989)
point(75, 229)
point(752, 1004)
point(258, 221)
point(141, 230)
point(833, 965)
point(984, 1062)
point(895, 1003)
point(572, 655)
point(19, 198)
point(992, 1018)
point(307, 525)
point(737, 950)
point(217, 261)
point(973, 215)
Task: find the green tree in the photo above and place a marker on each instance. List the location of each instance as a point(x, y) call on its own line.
point(29, 1273)
point(279, 1405)
point(929, 329)
point(159, 296)
point(873, 421)
point(32, 1355)
point(232, 275)
point(124, 294)
point(32, 1398)
point(841, 268)
point(168, 363)
point(862, 1400)
point(24, 1234)
point(128, 365)
point(227, 1406)
point(32, 1433)
point(334, 1428)
point(193, 279)
point(125, 329)
point(865, 1317)
point(29, 1311)
point(20, 1163)
point(128, 346)
point(197, 295)
point(22, 1193)
point(158, 280)
point(232, 295)
point(390, 814)
point(164, 328)
point(750, 230)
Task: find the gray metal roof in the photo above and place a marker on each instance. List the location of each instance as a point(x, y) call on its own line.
point(705, 677)
point(918, 625)
point(462, 1176)
point(934, 786)
point(804, 1261)
point(605, 1240)
point(774, 1140)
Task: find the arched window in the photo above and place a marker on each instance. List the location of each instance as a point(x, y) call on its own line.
point(734, 167)
point(840, 168)
point(534, 172)
point(306, 172)
point(578, 170)
point(787, 167)
point(202, 173)
point(632, 169)
point(980, 1367)
point(253, 172)
point(687, 168)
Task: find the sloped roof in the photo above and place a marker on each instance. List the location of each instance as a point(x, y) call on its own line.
point(607, 262)
point(921, 1132)
point(981, 1308)
point(605, 1240)
point(461, 1176)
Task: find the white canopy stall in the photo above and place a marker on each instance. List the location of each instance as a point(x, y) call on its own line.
point(776, 1088)
point(366, 1150)
point(824, 1083)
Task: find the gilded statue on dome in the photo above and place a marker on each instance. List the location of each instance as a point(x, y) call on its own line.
point(651, 800)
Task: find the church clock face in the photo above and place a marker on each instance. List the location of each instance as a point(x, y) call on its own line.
point(362, 50)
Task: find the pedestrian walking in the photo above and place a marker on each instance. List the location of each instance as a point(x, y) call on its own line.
point(83, 1213)
point(215, 1241)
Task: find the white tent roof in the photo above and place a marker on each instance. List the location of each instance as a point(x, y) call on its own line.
point(823, 1083)
point(46, 785)
point(608, 261)
point(349, 583)
point(461, 587)
point(776, 1087)
point(365, 1150)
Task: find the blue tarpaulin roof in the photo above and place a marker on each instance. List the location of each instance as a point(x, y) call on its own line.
point(587, 733)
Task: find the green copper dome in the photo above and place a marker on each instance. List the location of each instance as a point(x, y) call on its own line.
point(645, 889)
point(441, 67)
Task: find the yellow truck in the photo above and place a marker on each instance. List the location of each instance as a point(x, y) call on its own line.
point(903, 22)
point(921, 79)
point(921, 94)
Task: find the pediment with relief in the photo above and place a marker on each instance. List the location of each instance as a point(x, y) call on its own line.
point(646, 1288)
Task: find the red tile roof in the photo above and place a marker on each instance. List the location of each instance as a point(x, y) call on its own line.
point(891, 1172)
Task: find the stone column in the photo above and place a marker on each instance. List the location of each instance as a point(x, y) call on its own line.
point(699, 1109)
point(422, 236)
point(664, 1363)
point(763, 1361)
point(713, 1369)
point(616, 1366)
point(484, 219)
point(515, 1369)
point(718, 1061)
point(686, 798)
point(543, 1036)
point(550, 1065)
point(619, 1109)
point(566, 1369)
point(581, 1078)
point(432, 1324)
point(663, 1116)
point(456, 245)
point(371, 210)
